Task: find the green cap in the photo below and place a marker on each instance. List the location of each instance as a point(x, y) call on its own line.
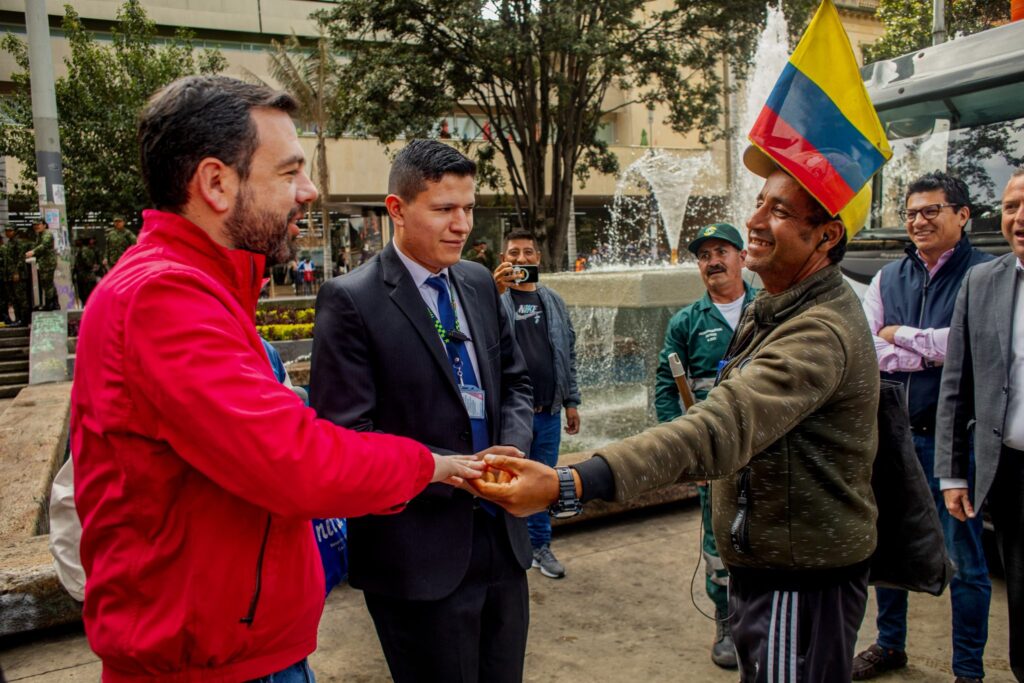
point(716, 231)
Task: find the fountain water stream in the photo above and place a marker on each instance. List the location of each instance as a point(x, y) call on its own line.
point(769, 59)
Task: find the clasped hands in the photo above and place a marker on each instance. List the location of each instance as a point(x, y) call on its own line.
point(502, 475)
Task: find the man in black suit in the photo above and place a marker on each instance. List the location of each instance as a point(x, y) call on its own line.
point(414, 343)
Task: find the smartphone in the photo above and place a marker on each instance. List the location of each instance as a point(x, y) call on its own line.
point(525, 274)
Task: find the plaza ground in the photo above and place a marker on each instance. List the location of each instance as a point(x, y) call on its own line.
point(623, 613)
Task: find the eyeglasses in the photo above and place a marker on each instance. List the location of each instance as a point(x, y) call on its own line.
point(927, 212)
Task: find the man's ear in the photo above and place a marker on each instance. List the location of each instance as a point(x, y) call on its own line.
point(215, 184)
point(396, 209)
point(834, 231)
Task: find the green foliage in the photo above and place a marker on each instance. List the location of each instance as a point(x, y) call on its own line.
point(98, 103)
point(539, 71)
point(908, 23)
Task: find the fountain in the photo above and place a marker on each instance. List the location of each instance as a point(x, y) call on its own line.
point(670, 179)
point(770, 58)
point(620, 309)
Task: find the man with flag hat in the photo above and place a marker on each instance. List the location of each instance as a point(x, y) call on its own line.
point(788, 434)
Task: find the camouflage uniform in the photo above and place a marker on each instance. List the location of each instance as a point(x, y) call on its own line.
point(117, 242)
point(87, 269)
point(12, 265)
point(46, 263)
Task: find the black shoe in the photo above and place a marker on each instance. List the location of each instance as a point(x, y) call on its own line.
point(723, 650)
point(875, 661)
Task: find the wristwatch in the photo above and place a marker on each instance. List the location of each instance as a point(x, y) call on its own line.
point(568, 505)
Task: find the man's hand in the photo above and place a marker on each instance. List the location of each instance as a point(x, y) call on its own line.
point(530, 486)
point(958, 502)
point(888, 333)
point(509, 451)
point(572, 421)
point(454, 470)
point(503, 277)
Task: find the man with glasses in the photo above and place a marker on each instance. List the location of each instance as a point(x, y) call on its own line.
point(700, 334)
point(909, 306)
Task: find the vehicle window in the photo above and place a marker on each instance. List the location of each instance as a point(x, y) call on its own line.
point(977, 136)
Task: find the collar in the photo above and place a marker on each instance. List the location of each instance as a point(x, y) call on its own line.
point(961, 249)
point(770, 309)
point(419, 273)
point(239, 270)
point(705, 302)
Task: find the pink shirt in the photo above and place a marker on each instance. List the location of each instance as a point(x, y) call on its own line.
point(912, 345)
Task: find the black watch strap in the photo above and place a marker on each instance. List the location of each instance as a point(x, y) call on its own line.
point(568, 505)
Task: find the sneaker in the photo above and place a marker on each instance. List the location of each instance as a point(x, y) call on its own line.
point(548, 564)
point(723, 650)
point(875, 661)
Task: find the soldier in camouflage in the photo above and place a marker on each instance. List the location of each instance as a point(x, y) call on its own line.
point(46, 264)
point(12, 269)
point(117, 242)
point(87, 269)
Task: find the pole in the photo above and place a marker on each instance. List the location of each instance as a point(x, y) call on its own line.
point(49, 169)
point(938, 21)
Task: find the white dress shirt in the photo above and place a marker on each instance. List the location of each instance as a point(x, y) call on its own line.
point(419, 276)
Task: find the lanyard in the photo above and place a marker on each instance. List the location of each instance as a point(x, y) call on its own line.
point(451, 337)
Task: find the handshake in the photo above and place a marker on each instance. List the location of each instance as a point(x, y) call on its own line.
point(502, 475)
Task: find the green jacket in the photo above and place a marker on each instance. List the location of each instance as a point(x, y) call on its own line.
point(12, 258)
point(117, 242)
point(700, 335)
point(42, 250)
point(87, 263)
point(795, 418)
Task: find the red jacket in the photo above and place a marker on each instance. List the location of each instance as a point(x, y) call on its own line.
point(196, 473)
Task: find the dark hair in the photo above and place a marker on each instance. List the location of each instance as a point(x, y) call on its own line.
point(955, 189)
point(198, 117)
point(424, 161)
point(520, 234)
point(819, 216)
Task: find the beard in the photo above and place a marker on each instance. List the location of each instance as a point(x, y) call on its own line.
point(262, 231)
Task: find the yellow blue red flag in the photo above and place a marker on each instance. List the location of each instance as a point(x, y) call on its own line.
point(819, 124)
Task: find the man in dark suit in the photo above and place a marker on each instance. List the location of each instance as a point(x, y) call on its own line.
point(983, 383)
point(414, 343)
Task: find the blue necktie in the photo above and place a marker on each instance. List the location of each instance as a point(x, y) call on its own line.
point(458, 355)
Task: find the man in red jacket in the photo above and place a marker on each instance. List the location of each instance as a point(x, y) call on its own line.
point(196, 472)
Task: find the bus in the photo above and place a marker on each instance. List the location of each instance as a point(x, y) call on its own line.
point(956, 107)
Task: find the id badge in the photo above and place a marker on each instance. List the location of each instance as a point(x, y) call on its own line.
point(473, 398)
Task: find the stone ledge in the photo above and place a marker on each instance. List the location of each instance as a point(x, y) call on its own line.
point(33, 441)
point(31, 596)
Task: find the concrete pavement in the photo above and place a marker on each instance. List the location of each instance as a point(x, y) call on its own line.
point(623, 613)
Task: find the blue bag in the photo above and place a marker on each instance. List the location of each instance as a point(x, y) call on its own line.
point(330, 537)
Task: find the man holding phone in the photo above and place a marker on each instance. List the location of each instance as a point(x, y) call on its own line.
point(542, 327)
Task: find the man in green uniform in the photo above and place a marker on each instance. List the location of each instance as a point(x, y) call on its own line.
point(700, 335)
point(481, 254)
point(46, 264)
point(118, 240)
point(87, 269)
point(12, 264)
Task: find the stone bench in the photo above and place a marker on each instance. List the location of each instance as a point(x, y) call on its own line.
point(33, 444)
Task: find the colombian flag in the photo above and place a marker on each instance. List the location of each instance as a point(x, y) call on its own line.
point(819, 124)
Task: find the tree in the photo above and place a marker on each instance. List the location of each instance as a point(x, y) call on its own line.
point(908, 24)
point(311, 77)
point(534, 75)
point(98, 104)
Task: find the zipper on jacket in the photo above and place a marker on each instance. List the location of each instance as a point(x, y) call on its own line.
point(920, 321)
point(739, 532)
point(248, 618)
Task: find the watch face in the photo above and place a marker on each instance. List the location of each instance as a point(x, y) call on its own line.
point(565, 512)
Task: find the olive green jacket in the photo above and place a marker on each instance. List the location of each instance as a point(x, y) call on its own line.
point(795, 417)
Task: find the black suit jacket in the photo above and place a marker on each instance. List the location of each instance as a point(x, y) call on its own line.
point(378, 364)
